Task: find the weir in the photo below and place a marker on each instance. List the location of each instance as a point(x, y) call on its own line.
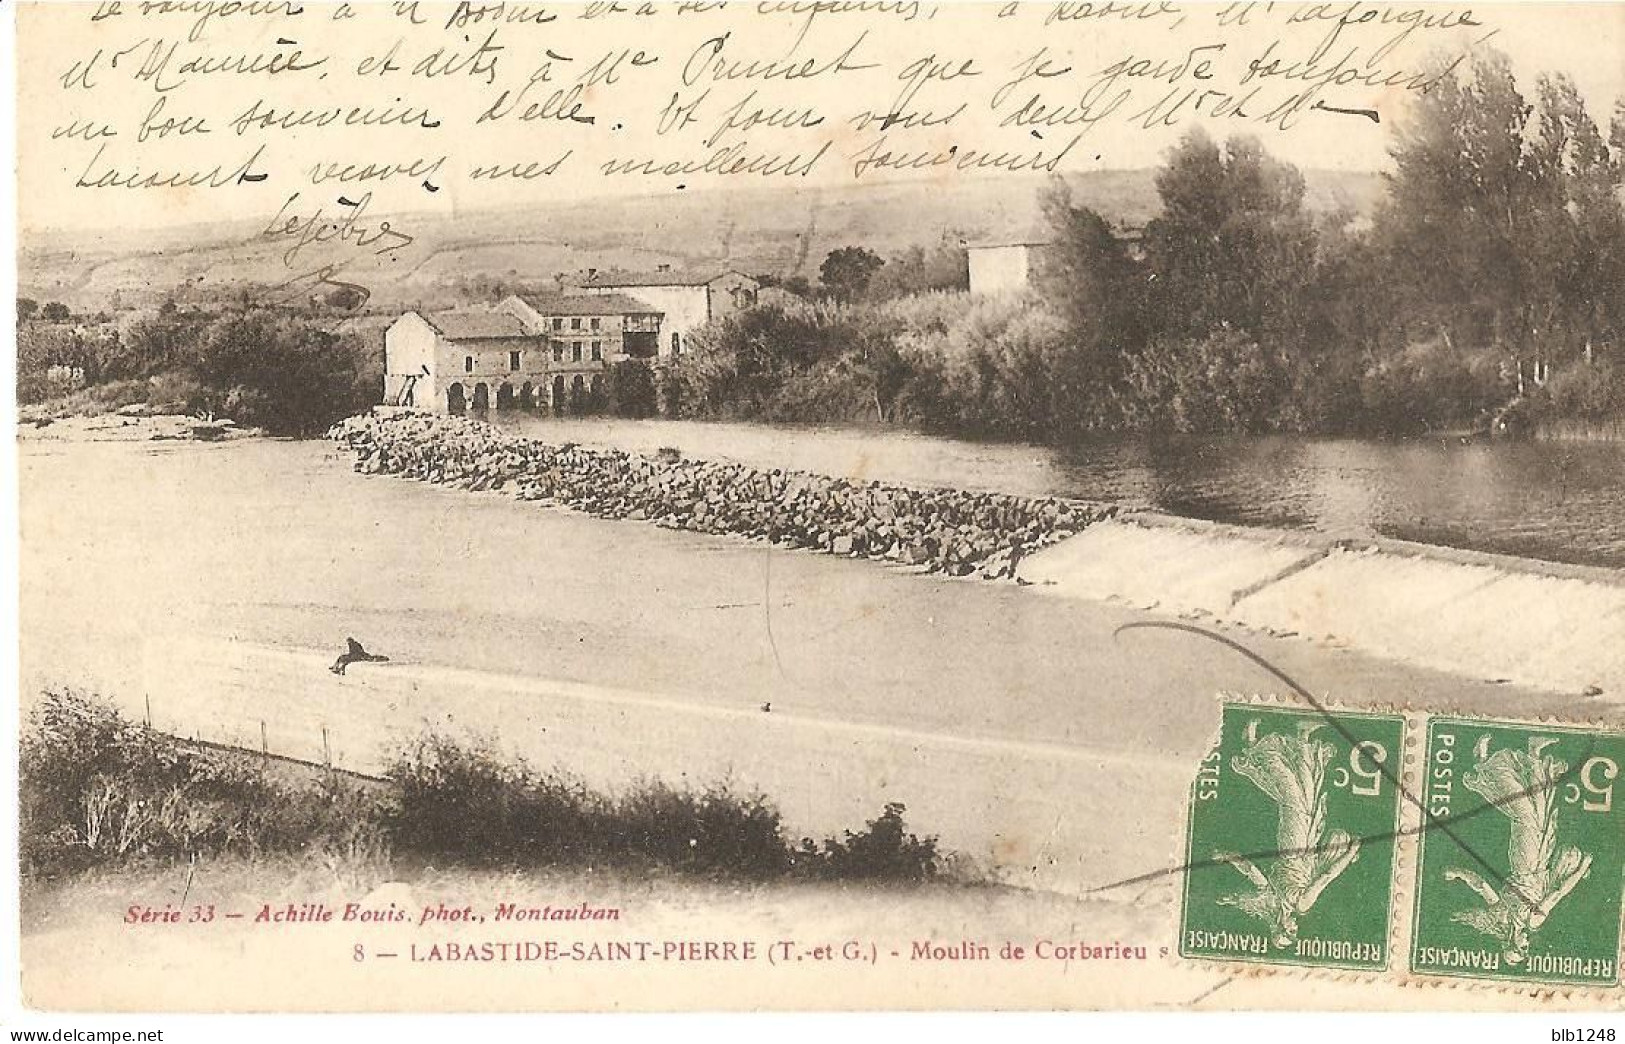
point(1492, 617)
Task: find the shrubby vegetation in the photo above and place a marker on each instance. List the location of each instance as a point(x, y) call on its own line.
point(1485, 293)
point(283, 370)
point(98, 791)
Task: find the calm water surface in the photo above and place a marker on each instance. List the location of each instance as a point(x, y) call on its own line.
point(1559, 501)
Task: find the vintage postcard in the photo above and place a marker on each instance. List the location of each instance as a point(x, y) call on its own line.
point(805, 505)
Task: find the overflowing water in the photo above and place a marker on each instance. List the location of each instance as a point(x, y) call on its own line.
point(1557, 501)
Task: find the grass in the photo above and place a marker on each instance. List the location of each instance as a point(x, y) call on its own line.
point(99, 793)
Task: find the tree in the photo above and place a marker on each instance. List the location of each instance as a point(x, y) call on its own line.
point(1089, 275)
point(1576, 244)
point(876, 365)
point(168, 341)
point(1224, 382)
point(1504, 220)
point(283, 373)
point(631, 390)
point(26, 307)
point(1094, 288)
point(55, 311)
point(846, 272)
point(1233, 246)
point(944, 266)
point(1456, 221)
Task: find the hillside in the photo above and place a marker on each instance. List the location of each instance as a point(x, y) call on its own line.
point(759, 231)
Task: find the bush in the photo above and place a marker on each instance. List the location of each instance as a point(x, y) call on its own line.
point(97, 790)
point(714, 832)
point(1589, 392)
point(464, 804)
point(44, 351)
point(1225, 382)
point(1430, 385)
point(883, 851)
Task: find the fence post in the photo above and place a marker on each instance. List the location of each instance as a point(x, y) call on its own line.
point(148, 697)
point(265, 746)
point(327, 751)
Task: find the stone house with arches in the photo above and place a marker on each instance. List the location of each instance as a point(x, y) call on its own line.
point(545, 351)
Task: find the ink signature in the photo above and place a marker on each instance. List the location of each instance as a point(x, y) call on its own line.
point(347, 229)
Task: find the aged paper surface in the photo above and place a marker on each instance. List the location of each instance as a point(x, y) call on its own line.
point(833, 506)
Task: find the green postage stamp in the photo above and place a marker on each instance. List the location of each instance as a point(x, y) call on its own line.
point(1290, 848)
point(1521, 853)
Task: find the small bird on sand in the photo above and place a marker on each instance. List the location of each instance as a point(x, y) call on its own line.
point(767, 708)
point(355, 654)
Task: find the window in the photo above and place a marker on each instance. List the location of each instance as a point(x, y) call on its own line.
point(676, 344)
point(595, 324)
point(468, 364)
point(513, 361)
point(558, 351)
point(597, 351)
point(558, 324)
point(575, 352)
point(575, 324)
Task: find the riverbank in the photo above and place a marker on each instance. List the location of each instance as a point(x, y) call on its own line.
point(101, 792)
point(131, 424)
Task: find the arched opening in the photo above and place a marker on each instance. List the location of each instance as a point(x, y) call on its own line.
point(455, 403)
point(505, 396)
point(558, 393)
point(482, 397)
point(676, 344)
point(527, 395)
point(578, 393)
point(595, 394)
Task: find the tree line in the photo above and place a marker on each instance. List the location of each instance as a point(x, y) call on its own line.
point(1486, 292)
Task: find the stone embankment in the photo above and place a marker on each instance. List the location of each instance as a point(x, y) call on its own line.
point(941, 530)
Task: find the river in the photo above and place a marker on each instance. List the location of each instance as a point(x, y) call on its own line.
point(1556, 501)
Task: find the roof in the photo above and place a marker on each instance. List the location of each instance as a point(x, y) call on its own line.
point(1029, 243)
point(1037, 240)
point(475, 326)
point(669, 277)
point(588, 304)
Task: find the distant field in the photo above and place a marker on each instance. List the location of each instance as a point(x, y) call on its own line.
point(759, 231)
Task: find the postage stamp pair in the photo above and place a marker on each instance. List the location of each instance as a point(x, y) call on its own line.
point(1299, 818)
